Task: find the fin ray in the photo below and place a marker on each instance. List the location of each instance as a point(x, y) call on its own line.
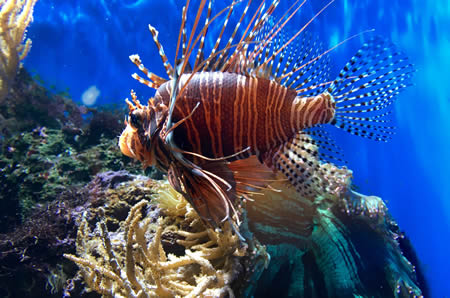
point(367, 87)
point(298, 161)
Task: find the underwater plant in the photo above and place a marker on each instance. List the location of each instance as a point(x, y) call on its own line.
point(15, 16)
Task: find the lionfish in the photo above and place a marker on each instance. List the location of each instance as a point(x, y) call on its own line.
point(223, 126)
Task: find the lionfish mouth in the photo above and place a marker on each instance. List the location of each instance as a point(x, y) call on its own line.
point(125, 141)
point(130, 146)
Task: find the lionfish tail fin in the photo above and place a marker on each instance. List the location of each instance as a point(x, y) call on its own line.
point(366, 88)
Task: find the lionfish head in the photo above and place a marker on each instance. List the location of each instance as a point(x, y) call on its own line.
point(142, 129)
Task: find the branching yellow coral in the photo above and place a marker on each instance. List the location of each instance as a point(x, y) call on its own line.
point(15, 16)
point(137, 261)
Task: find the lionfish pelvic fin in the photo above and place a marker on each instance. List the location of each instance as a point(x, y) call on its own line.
point(209, 189)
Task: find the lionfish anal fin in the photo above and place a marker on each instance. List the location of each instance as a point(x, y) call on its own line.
point(299, 161)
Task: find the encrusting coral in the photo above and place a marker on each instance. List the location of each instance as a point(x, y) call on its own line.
point(15, 16)
point(346, 246)
point(163, 249)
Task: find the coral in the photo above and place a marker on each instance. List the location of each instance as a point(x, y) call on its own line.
point(31, 262)
point(29, 105)
point(165, 250)
point(107, 124)
point(345, 246)
point(15, 16)
point(30, 255)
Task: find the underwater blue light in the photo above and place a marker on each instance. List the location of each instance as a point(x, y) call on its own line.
point(133, 3)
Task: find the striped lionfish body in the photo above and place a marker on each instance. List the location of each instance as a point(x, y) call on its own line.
point(236, 112)
point(250, 109)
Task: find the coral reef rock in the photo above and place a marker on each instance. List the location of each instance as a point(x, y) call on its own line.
point(48, 145)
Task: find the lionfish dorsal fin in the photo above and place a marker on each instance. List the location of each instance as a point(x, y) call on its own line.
point(179, 67)
point(214, 57)
point(301, 64)
point(232, 59)
point(200, 55)
point(153, 81)
point(163, 56)
point(189, 43)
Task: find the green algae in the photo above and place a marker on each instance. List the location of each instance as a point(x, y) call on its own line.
point(50, 145)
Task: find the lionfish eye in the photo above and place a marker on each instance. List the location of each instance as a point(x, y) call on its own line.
point(135, 119)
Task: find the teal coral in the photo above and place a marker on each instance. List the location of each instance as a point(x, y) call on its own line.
point(353, 251)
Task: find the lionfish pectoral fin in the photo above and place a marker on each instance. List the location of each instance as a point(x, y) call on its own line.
point(174, 175)
point(207, 189)
point(366, 88)
point(299, 161)
point(285, 216)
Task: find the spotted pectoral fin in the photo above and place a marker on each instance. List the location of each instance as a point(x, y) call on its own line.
point(299, 161)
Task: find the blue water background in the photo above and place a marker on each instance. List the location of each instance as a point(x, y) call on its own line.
point(77, 44)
